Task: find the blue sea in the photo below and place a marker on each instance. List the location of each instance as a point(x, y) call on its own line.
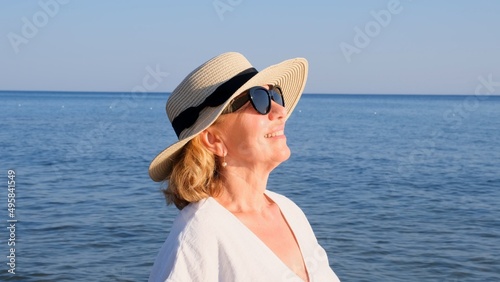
point(396, 187)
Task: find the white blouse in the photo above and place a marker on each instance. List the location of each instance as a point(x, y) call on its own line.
point(208, 243)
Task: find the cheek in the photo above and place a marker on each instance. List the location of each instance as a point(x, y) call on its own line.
point(248, 135)
point(244, 142)
point(249, 144)
point(259, 132)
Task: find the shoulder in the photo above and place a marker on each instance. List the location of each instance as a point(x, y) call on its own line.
point(279, 197)
point(191, 241)
point(284, 202)
point(291, 211)
point(195, 223)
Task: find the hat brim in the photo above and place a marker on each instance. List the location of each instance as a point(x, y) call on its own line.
point(290, 75)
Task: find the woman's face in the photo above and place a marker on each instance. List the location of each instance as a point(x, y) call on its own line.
point(254, 140)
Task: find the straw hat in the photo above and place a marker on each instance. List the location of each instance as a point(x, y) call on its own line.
point(202, 96)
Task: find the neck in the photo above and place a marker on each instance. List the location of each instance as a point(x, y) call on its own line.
point(243, 191)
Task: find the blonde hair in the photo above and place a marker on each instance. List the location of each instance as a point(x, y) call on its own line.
point(194, 176)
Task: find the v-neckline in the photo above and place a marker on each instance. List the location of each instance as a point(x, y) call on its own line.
point(259, 241)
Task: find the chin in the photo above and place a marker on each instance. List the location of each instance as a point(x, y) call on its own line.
point(284, 154)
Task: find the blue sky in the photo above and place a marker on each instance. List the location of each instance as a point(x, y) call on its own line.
point(365, 46)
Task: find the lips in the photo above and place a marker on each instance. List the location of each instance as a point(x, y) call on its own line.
point(274, 134)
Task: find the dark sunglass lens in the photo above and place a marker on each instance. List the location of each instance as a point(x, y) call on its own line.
point(277, 89)
point(277, 97)
point(260, 100)
point(239, 102)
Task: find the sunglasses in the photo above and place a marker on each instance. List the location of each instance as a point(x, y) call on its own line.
point(260, 98)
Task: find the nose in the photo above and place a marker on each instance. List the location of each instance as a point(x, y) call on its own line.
point(277, 111)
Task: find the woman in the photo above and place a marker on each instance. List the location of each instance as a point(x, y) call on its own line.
point(230, 122)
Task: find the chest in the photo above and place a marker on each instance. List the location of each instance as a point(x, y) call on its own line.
point(277, 235)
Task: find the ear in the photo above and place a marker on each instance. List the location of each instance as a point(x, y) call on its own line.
point(212, 140)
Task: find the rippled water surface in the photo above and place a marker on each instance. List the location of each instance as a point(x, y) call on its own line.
point(397, 188)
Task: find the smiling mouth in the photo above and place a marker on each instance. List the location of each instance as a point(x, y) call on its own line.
point(274, 134)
